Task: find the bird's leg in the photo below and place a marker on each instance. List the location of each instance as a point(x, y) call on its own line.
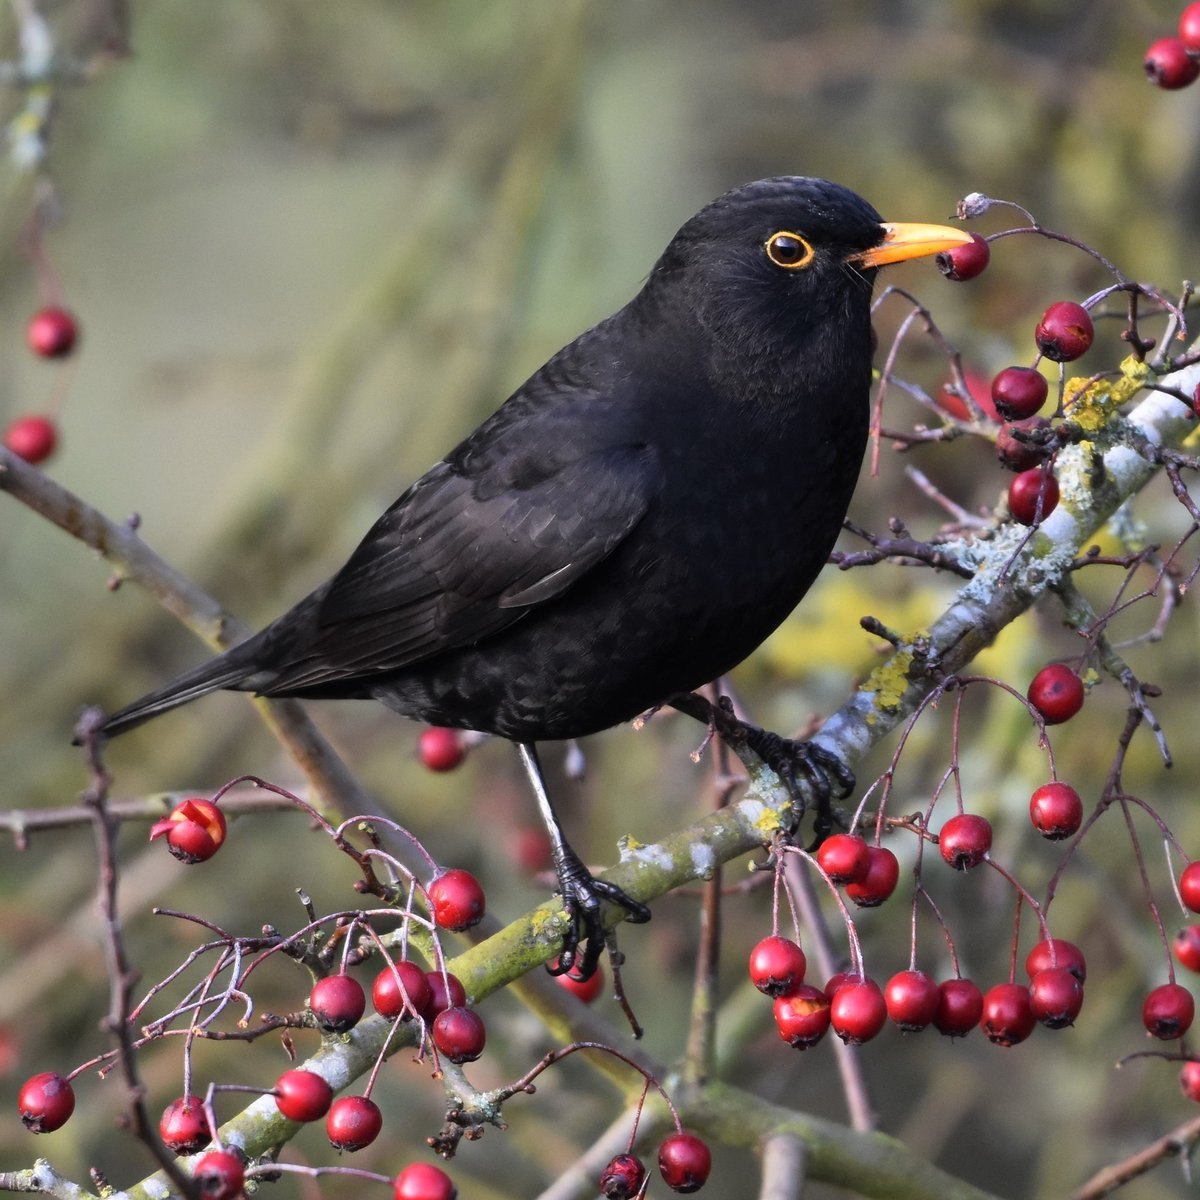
point(582, 893)
point(829, 777)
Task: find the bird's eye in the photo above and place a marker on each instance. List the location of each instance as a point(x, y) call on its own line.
point(788, 250)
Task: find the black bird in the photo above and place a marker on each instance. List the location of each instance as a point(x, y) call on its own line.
point(632, 522)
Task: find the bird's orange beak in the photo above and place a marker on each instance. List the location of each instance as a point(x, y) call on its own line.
point(909, 240)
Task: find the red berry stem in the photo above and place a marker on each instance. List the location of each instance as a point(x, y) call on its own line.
point(1147, 890)
point(857, 962)
point(919, 890)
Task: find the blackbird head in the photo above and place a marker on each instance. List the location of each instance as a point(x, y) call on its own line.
point(783, 269)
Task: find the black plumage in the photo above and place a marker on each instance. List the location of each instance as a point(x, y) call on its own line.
point(637, 517)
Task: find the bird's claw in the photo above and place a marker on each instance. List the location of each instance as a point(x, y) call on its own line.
point(583, 897)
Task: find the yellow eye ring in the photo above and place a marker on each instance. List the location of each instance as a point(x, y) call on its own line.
point(789, 250)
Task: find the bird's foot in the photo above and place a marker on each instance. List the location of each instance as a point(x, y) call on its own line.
point(583, 897)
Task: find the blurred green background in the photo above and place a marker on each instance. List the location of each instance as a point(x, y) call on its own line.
point(310, 246)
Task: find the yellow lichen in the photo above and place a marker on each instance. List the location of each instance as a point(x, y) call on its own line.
point(889, 682)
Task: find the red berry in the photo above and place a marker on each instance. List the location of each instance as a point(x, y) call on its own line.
point(1057, 694)
point(1032, 496)
point(337, 1002)
point(684, 1162)
point(52, 332)
point(353, 1122)
point(777, 966)
point(46, 1102)
point(964, 840)
point(1056, 952)
point(441, 749)
point(302, 1095)
point(1023, 444)
point(456, 900)
point(1007, 1014)
point(912, 1000)
point(32, 438)
point(1189, 1080)
point(1187, 947)
point(622, 1178)
point(965, 261)
point(219, 1175)
point(883, 873)
point(960, 1005)
point(1019, 392)
point(586, 990)
point(401, 987)
point(1064, 332)
point(423, 1181)
point(802, 1017)
point(440, 998)
point(836, 980)
point(1189, 886)
point(184, 1127)
point(1167, 1011)
point(1056, 810)
point(857, 1011)
point(1168, 65)
point(844, 858)
point(1055, 996)
point(1189, 28)
point(459, 1034)
point(195, 830)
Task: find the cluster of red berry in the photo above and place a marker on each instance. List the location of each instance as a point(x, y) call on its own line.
point(1174, 62)
point(52, 332)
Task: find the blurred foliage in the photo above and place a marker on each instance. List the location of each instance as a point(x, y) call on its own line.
point(311, 245)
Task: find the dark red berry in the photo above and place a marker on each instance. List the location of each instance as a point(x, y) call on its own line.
point(1023, 444)
point(219, 1175)
point(195, 830)
point(622, 1178)
point(803, 1016)
point(1189, 1080)
point(1056, 952)
point(912, 1000)
point(857, 1011)
point(1033, 496)
point(883, 873)
point(440, 998)
point(1007, 1014)
point(353, 1122)
point(1168, 64)
point(1187, 947)
point(965, 261)
point(1055, 996)
point(1064, 332)
point(1019, 392)
point(46, 1102)
point(586, 990)
point(1189, 28)
point(302, 1095)
point(32, 438)
point(52, 332)
point(423, 1181)
point(441, 749)
point(1057, 693)
point(459, 1034)
point(964, 840)
point(777, 966)
point(684, 1162)
point(401, 987)
point(1189, 886)
point(337, 1003)
point(184, 1127)
point(1167, 1011)
point(844, 858)
point(836, 980)
point(960, 1005)
point(456, 900)
point(1056, 810)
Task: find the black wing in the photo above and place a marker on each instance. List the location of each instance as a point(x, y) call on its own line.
point(509, 521)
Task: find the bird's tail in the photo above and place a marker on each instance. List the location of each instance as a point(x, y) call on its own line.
point(226, 671)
